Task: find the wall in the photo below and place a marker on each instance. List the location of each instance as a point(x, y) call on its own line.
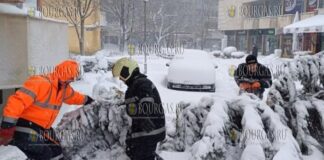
point(226, 22)
point(92, 36)
point(237, 22)
point(26, 42)
point(92, 40)
point(47, 43)
point(13, 50)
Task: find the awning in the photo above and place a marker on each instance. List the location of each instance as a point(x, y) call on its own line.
point(309, 25)
point(12, 1)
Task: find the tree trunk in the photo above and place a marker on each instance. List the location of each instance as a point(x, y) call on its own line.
point(122, 41)
point(81, 41)
point(123, 27)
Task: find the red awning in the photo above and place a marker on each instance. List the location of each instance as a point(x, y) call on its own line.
point(12, 1)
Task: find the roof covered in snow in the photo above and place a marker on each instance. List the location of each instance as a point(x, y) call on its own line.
point(312, 24)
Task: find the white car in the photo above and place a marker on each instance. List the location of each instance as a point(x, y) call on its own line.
point(192, 71)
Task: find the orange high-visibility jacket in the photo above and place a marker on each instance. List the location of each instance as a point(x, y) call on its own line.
point(41, 97)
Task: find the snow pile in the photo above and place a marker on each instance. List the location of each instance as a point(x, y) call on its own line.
point(238, 55)
point(302, 53)
point(95, 63)
point(97, 130)
point(228, 51)
point(217, 53)
point(278, 52)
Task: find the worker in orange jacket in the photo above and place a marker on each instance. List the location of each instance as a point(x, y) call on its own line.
point(31, 111)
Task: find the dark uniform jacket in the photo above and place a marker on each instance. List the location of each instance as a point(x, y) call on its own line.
point(144, 106)
point(263, 75)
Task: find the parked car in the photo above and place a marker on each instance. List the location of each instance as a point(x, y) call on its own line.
point(192, 72)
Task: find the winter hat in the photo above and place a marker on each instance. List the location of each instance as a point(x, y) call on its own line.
point(250, 59)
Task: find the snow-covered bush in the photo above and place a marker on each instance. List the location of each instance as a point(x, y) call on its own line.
point(238, 54)
point(216, 53)
point(278, 52)
point(95, 63)
point(302, 53)
point(228, 51)
point(96, 130)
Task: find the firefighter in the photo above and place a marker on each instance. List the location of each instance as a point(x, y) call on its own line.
point(31, 111)
point(253, 77)
point(144, 106)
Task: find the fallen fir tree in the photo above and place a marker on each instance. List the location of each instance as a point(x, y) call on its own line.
point(96, 131)
point(289, 126)
point(302, 110)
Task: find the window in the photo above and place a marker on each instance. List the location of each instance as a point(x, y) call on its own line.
point(321, 3)
point(1, 96)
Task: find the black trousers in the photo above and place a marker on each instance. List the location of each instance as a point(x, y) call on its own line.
point(141, 149)
point(42, 146)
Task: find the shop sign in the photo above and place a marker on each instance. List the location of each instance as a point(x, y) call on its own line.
point(269, 32)
point(311, 5)
point(293, 6)
point(230, 32)
point(231, 11)
point(263, 32)
point(257, 10)
point(241, 32)
point(256, 32)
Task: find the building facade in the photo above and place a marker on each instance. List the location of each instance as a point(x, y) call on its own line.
point(261, 22)
point(92, 26)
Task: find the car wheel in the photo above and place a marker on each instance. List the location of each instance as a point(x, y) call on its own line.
point(213, 89)
point(169, 86)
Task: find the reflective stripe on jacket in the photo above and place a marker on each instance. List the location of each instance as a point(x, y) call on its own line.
point(39, 101)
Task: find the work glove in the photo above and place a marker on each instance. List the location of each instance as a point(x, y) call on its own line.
point(6, 135)
point(256, 85)
point(147, 125)
point(89, 100)
point(245, 86)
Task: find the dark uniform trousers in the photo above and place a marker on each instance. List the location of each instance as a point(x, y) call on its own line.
point(37, 143)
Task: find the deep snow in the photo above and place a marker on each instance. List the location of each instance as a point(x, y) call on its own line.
point(226, 89)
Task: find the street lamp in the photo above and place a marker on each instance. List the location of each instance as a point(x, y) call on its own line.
point(145, 49)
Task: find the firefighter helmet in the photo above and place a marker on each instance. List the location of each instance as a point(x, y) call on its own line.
point(124, 68)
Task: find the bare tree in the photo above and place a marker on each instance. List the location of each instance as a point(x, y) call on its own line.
point(163, 24)
point(122, 11)
point(75, 12)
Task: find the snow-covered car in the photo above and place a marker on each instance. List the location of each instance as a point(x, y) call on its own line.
point(192, 71)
